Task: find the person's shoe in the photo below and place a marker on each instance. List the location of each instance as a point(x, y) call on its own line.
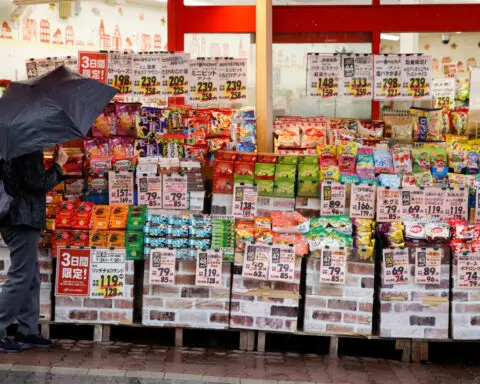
point(32, 341)
point(8, 346)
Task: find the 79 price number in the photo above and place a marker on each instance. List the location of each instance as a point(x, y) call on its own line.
point(205, 89)
point(110, 284)
point(123, 83)
point(327, 86)
point(151, 198)
point(177, 84)
point(234, 89)
point(334, 273)
point(148, 84)
point(164, 274)
point(392, 86)
point(177, 199)
point(284, 270)
point(391, 211)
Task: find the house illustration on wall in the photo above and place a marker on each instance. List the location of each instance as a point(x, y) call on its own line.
point(157, 43)
point(105, 39)
point(29, 30)
point(6, 31)
point(146, 42)
point(69, 36)
point(128, 45)
point(117, 39)
point(57, 37)
point(44, 31)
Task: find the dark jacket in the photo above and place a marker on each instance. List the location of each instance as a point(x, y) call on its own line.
point(26, 180)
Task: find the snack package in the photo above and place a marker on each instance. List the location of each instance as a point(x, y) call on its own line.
point(347, 153)
point(402, 160)
point(101, 217)
point(99, 165)
point(424, 179)
point(118, 216)
point(134, 245)
point(223, 168)
point(147, 147)
point(285, 172)
point(65, 215)
point(398, 125)
point(97, 146)
point(116, 239)
point(98, 238)
point(244, 233)
point(124, 163)
point(428, 124)
point(421, 160)
point(195, 131)
point(121, 147)
point(80, 239)
point(221, 123)
point(383, 161)
point(287, 136)
point(314, 134)
point(106, 124)
point(329, 172)
point(458, 121)
point(392, 181)
point(151, 122)
point(308, 171)
point(264, 171)
point(222, 184)
point(128, 114)
point(308, 188)
point(372, 128)
point(328, 155)
point(365, 163)
point(97, 185)
point(268, 158)
point(83, 215)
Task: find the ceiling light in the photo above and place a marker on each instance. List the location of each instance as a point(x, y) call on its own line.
point(386, 36)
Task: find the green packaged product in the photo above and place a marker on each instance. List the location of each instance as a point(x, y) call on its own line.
point(284, 188)
point(264, 170)
point(285, 172)
point(134, 245)
point(341, 223)
point(308, 160)
point(247, 179)
point(265, 187)
point(308, 171)
point(307, 188)
point(137, 215)
point(287, 159)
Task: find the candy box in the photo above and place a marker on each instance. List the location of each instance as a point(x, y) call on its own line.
point(65, 214)
point(307, 188)
point(265, 187)
point(223, 168)
point(308, 171)
point(308, 160)
point(248, 179)
point(227, 155)
point(101, 217)
point(118, 216)
point(151, 122)
point(97, 146)
point(80, 238)
point(116, 239)
point(244, 168)
point(329, 172)
point(100, 165)
point(136, 217)
point(284, 188)
point(98, 238)
point(286, 159)
point(74, 164)
point(61, 238)
point(74, 186)
point(247, 157)
point(147, 147)
point(222, 184)
point(268, 158)
point(121, 147)
point(124, 163)
point(127, 116)
point(83, 216)
point(97, 185)
point(134, 245)
point(264, 171)
point(285, 172)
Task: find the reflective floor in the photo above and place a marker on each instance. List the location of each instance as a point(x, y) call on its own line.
point(124, 363)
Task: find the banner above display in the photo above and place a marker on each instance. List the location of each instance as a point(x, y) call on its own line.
point(367, 77)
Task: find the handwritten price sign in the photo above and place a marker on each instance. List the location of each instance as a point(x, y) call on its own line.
point(362, 202)
point(175, 191)
point(120, 187)
point(150, 191)
point(256, 261)
point(468, 271)
point(209, 268)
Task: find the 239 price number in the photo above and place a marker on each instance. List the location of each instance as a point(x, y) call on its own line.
point(234, 89)
point(148, 84)
point(205, 89)
point(417, 86)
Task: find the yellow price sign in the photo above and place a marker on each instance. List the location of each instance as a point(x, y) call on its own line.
point(149, 85)
point(327, 87)
point(418, 87)
point(177, 85)
point(359, 86)
point(234, 89)
point(391, 87)
point(205, 90)
point(123, 83)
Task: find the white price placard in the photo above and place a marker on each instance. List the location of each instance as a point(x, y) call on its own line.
point(324, 73)
point(362, 201)
point(107, 273)
point(477, 205)
point(119, 72)
point(413, 203)
point(209, 268)
point(333, 266)
point(443, 90)
point(456, 204)
point(282, 263)
point(396, 266)
point(333, 198)
point(149, 189)
point(388, 77)
point(175, 194)
point(146, 75)
point(162, 266)
point(203, 81)
point(357, 77)
point(428, 263)
point(175, 74)
point(245, 201)
point(416, 77)
point(232, 80)
point(468, 270)
point(120, 187)
point(256, 261)
point(434, 202)
point(389, 204)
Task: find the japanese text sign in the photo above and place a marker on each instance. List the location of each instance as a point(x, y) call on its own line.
point(175, 191)
point(428, 265)
point(120, 187)
point(282, 263)
point(396, 267)
point(73, 272)
point(256, 261)
point(362, 201)
point(162, 266)
point(324, 73)
point(333, 263)
point(93, 65)
point(245, 200)
point(107, 274)
point(209, 268)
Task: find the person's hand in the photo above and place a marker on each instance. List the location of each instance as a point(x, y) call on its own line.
point(62, 157)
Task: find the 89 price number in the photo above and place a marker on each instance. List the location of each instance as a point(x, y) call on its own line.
point(123, 83)
point(334, 206)
point(392, 86)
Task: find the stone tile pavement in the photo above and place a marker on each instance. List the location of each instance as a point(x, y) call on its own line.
point(70, 362)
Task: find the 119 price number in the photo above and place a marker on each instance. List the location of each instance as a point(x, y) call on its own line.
point(110, 284)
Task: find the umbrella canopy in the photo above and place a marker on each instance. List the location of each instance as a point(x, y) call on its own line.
point(48, 110)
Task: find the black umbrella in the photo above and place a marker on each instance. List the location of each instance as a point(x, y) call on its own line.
point(48, 110)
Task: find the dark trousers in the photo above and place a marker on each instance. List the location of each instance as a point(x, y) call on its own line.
point(20, 295)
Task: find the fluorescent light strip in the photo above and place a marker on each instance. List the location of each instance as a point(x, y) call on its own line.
point(386, 36)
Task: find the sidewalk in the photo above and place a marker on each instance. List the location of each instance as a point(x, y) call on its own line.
point(70, 362)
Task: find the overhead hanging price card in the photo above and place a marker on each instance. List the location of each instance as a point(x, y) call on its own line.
point(333, 197)
point(244, 201)
point(107, 273)
point(203, 81)
point(428, 263)
point(175, 191)
point(389, 203)
point(413, 203)
point(162, 266)
point(333, 263)
point(93, 65)
point(150, 190)
point(455, 204)
point(358, 76)
point(175, 74)
point(324, 73)
point(209, 268)
point(362, 201)
point(468, 270)
point(119, 72)
point(146, 75)
point(396, 266)
point(282, 263)
point(232, 75)
point(434, 202)
point(443, 90)
point(256, 261)
point(120, 187)
point(416, 77)
point(388, 77)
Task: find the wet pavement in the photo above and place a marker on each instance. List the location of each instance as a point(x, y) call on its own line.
point(72, 362)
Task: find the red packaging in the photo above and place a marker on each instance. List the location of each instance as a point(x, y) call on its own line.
point(74, 165)
point(459, 246)
point(267, 158)
point(97, 146)
point(106, 123)
point(222, 184)
point(61, 238)
point(243, 168)
point(80, 239)
point(121, 146)
point(65, 214)
point(226, 155)
point(124, 163)
point(223, 168)
point(99, 165)
point(197, 152)
point(220, 124)
point(83, 216)
point(127, 116)
point(247, 157)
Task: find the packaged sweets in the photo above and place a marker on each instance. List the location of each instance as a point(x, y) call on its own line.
point(121, 147)
point(134, 245)
point(264, 171)
point(372, 128)
point(383, 161)
point(116, 239)
point(98, 238)
point(402, 160)
point(101, 217)
point(106, 124)
point(287, 136)
point(136, 217)
point(97, 146)
point(428, 124)
point(424, 179)
point(79, 238)
point(347, 153)
point(127, 116)
point(65, 215)
point(398, 125)
point(365, 163)
point(329, 172)
point(83, 215)
point(328, 155)
point(421, 160)
point(118, 216)
point(459, 121)
point(392, 181)
point(147, 147)
point(151, 122)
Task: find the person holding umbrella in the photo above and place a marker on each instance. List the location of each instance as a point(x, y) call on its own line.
point(35, 114)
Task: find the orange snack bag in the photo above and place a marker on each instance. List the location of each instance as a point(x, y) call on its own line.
point(98, 238)
point(118, 216)
point(116, 239)
point(101, 217)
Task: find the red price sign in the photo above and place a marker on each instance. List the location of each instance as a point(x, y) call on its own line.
point(73, 272)
point(396, 267)
point(93, 65)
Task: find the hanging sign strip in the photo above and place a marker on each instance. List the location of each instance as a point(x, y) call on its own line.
point(416, 77)
point(357, 76)
point(324, 72)
point(388, 77)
